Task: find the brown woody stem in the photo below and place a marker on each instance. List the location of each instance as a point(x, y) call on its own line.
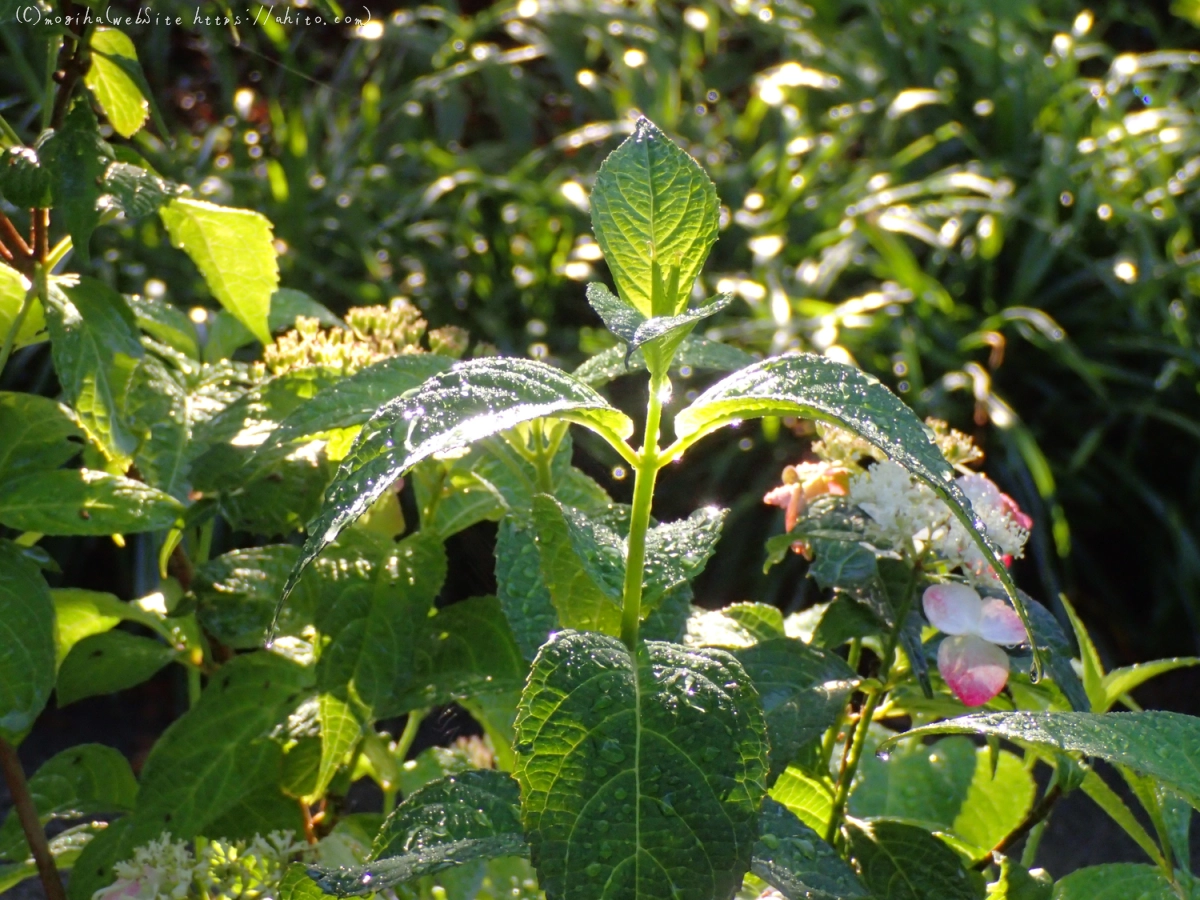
point(27, 815)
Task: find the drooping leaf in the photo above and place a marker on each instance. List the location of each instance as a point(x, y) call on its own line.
point(797, 862)
point(813, 386)
point(897, 861)
point(234, 251)
point(108, 662)
point(352, 401)
point(948, 786)
point(640, 777)
point(85, 780)
point(693, 352)
point(26, 642)
point(35, 433)
point(458, 819)
point(96, 350)
point(83, 501)
point(1115, 881)
point(471, 401)
point(653, 209)
point(376, 597)
point(520, 588)
point(1157, 744)
point(803, 690)
point(76, 156)
point(109, 80)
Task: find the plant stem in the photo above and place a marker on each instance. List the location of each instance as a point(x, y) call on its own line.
point(851, 759)
point(1035, 816)
point(831, 736)
point(27, 815)
point(646, 470)
point(403, 745)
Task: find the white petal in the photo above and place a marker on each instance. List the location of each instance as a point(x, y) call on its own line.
point(1000, 624)
point(974, 669)
point(953, 608)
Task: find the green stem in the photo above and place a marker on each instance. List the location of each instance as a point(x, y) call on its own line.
point(646, 469)
point(851, 759)
point(14, 329)
point(541, 458)
point(193, 685)
point(831, 736)
point(403, 745)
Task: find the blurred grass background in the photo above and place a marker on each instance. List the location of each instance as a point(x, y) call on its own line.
point(989, 206)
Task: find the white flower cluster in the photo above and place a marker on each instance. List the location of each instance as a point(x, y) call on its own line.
point(170, 870)
point(906, 515)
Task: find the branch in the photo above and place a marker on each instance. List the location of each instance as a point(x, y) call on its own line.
point(27, 814)
point(1035, 815)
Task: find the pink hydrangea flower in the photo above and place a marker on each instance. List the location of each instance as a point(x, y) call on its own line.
point(970, 658)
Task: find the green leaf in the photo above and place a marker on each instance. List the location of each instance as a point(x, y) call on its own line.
point(117, 93)
point(85, 780)
point(76, 157)
point(1115, 881)
point(65, 848)
point(234, 250)
point(1109, 801)
point(13, 288)
point(582, 566)
point(693, 352)
point(736, 625)
point(26, 643)
point(1057, 652)
point(653, 209)
point(96, 350)
point(166, 323)
point(352, 401)
point(660, 335)
point(35, 433)
point(226, 334)
point(1016, 883)
point(841, 564)
point(24, 181)
point(520, 588)
point(1157, 744)
point(803, 690)
point(340, 731)
point(1119, 682)
point(236, 594)
point(471, 652)
point(640, 777)
point(376, 598)
point(471, 401)
point(809, 799)
point(81, 613)
point(948, 786)
point(676, 552)
point(135, 191)
point(813, 386)
point(897, 861)
point(109, 662)
point(793, 859)
point(296, 885)
point(83, 501)
point(462, 818)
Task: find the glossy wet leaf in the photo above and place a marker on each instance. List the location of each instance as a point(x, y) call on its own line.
point(582, 566)
point(659, 335)
point(84, 780)
point(234, 251)
point(1115, 881)
point(1057, 652)
point(96, 349)
point(134, 191)
point(520, 588)
point(108, 662)
point(897, 861)
point(84, 501)
point(236, 594)
point(653, 208)
point(797, 862)
point(803, 690)
point(471, 401)
point(36, 433)
point(1157, 744)
point(26, 642)
point(110, 81)
point(842, 564)
point(76, 157)
point(639, 777)
point(736, 625)
point(376, 596)
point(947, 786)
point(297, 885)
point(459, 819)
point(813, 386)
point(352, 401)
point(693, 352)
point(676, 552)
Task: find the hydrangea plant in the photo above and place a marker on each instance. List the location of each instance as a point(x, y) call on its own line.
point(636, 744)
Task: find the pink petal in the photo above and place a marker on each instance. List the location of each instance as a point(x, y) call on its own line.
point(953, 608)
point(974, 669)
point(780, 496)
point(1001, 624)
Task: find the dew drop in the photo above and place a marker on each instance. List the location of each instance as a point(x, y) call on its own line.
point(594, 869)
